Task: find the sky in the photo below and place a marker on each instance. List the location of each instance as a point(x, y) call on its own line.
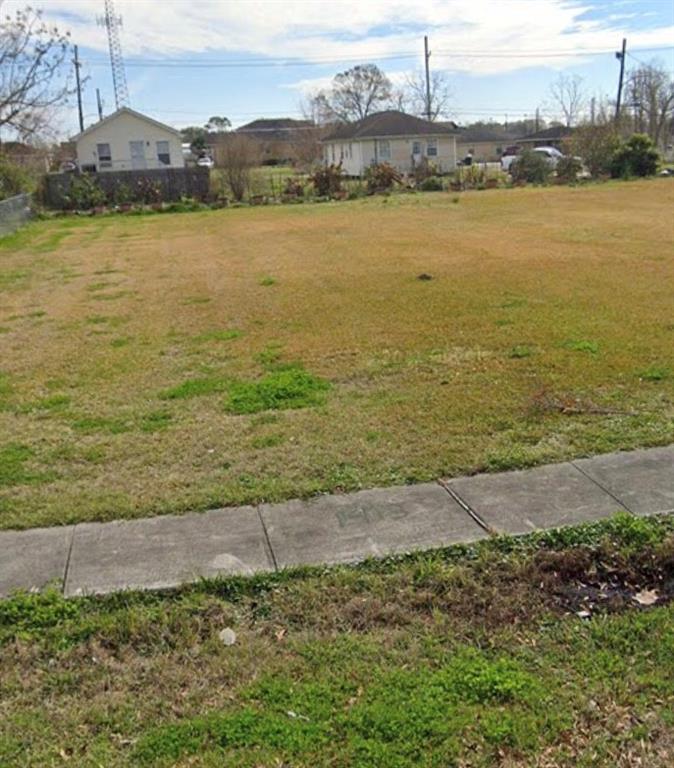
point(189, 59)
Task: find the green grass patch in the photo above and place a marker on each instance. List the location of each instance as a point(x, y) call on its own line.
point(268, 280)
point(123, 341)
point(218, 335)
point(94, 424)
point(287, 387)
point(520, 351)
point(195, 388)
point(156, 421)
point(582, 345)
point(13, 470)
point(656, 373)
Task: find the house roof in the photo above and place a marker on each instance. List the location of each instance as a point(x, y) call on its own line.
point(556, 133)
point(484, 133)
point(274, 128)
point(128, 111)
point(389, 123)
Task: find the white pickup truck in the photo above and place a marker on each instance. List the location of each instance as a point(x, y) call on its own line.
point(551, 154)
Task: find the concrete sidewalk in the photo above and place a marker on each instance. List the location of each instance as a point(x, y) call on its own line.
point(159, 552)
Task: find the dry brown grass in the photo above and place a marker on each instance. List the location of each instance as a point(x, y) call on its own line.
point(566, 290)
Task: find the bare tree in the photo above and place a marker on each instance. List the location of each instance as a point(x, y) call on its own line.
point(353, 95)
point(650, 94)
point(411, 97)
point(33, 71)
point(568, 94)
point(236, 155)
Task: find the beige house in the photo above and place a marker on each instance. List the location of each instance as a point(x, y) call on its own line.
point(484, 144)
point(403, 141)
point(128, 141)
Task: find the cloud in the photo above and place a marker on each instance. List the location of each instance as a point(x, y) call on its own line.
point(353, 30)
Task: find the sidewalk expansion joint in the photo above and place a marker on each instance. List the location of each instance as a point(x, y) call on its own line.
point(270, 549)
point(466, 508)
point(599, 485)
point(66, 568)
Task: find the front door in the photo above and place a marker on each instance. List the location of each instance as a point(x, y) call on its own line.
point(137, 155)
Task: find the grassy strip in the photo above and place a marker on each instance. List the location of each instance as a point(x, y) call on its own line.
point(472, 655)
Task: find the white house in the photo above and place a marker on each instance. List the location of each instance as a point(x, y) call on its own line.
point(403, 141)
point(127, 140)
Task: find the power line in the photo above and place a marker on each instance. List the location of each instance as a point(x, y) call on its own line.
point(321, 61)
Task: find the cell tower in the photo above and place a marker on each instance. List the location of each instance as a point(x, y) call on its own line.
point(112, 22)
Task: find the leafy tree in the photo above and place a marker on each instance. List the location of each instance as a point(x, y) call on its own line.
point(636, 157)
point(353, 95)
point(196, 136)
point(596, 145)
point(32, 79)
point(218, 124)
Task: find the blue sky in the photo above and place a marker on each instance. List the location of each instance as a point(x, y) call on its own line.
point(190, 59)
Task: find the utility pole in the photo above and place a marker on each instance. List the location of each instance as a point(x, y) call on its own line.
point(99, 103)
point(76, 62)
point(537, 121)
point(621, 56)
point(427, 56)
point(592, 109)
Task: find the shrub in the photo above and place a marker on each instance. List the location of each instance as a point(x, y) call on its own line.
point(148, 191)
point(532, 167)
point(596, 145)
point(431, 184)
point(423, 169)
point(568, 168)
point(84, 193)
point(473, 175)
point(13, 179)
point(636, 157)
point(293, 187)
point(238, 154)
point(381, 177)
point(327, 180)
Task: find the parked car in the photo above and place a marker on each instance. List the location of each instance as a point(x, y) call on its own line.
point(551, 154)
point(205, 162)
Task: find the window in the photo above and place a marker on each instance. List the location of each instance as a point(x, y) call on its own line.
point(104, 155)
point(384, 147)
point(416, 147)
point(163, 153)
point(432, 148)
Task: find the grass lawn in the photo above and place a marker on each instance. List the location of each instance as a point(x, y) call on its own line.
point(160, 363)
point(533, 653)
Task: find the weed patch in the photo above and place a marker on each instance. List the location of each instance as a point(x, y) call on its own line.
point(520, 351)
point(287, 387)
point(195, 388)
point(582, 345)
point(93, 424)
point(655, 373)
point(268, 280)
